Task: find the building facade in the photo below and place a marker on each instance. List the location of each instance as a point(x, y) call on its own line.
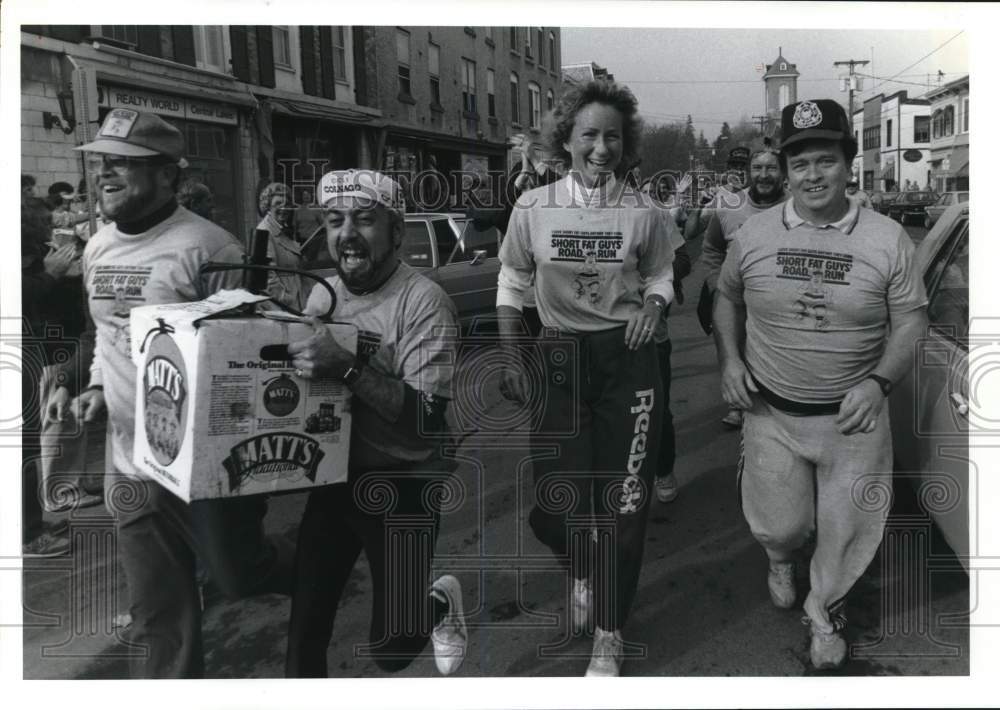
point(285, 103)
point(949, 136)
point(894, 141)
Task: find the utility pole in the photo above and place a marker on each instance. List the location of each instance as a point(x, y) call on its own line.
point(851, 63)
point(761, 122)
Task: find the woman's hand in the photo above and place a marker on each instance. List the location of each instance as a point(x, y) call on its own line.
point(641, 325)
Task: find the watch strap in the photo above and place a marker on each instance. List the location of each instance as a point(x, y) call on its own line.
point(884, 384)
point(353, 373)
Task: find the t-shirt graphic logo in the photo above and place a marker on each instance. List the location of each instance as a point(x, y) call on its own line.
point(807, 115)
point(587, 283)
point(813, 299)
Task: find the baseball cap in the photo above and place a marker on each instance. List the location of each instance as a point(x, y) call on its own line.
point(137, 134)
point(824, 119)
point(369, 184)
point(739, 156)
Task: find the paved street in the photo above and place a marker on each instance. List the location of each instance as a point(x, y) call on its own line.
point(702, 607)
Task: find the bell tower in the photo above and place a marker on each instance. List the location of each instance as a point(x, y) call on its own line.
point(780, 89)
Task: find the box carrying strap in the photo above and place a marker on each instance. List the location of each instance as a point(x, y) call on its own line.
point(214, 266)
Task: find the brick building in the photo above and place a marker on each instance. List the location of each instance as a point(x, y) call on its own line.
point(262, 103)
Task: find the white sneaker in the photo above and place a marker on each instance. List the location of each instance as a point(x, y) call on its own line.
point(781, 584)
point(606, 658)
point(827, 649)
point(450, 637)
point(581, 604)
point(666, 488)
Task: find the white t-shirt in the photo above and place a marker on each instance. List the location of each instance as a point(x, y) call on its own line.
point(407, 330)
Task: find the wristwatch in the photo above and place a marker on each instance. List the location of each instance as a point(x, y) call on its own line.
point(884, 384)
point(353, 373)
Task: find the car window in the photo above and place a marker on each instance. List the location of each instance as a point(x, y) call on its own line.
point(487, 240)
point(963, 197)
point(445, 236)
point(416, 248)
point(947, 282)
point(945, 200)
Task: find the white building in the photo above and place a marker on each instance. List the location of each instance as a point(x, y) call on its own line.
point(949, 154)
point(893, 134)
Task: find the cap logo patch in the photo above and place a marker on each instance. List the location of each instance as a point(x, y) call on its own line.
point(119, 123)
point(807, 115)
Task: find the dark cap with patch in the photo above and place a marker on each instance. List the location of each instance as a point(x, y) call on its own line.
point(738, 156)
point(137, 134)
point(822, 119)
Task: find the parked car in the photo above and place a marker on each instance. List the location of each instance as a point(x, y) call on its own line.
point(944, 201)
point(447, 248)
point(911, 204)
point(882, 200)
point(929, 408)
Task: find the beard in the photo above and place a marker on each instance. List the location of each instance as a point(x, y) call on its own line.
point(773, 195)
point(367, 273)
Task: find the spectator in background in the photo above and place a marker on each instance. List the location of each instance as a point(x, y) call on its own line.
point(859, 196)
point(276, 207)
point(27, 187)
point(39, 306)
point(196, 197)
point(61, 201)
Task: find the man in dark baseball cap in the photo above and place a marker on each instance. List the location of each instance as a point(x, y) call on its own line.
point(818, 313)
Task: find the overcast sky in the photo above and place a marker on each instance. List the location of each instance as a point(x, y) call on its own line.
point(650, 60)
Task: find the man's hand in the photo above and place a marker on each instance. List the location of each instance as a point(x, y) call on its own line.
point(57, 406)
point(860, 409)
point(57, 263)
point(641, 325)
point(514, 382)
point(89, 405)
point(319, 355)
point(737, 385)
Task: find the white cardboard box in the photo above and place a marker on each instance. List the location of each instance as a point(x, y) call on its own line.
point(218, 413)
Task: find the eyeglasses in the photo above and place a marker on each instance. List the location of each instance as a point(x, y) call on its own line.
point(97, 162)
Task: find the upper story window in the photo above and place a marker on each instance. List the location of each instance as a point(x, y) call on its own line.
point(540, 45)
point(888, 133)
point(125, 34)
point(403, 61)
point(534, 105)
point(528, 51)
point(553, 65)
point(965, 116)
point(208, 47)
point(340, 54)
point(282, 45)
point(784, 66)
point(515, 109)
point(512, 38)
point(468, 85)
point(434, 69)
point(491, 99)
point(550, 100)
point(948, 125)
point(921, 129)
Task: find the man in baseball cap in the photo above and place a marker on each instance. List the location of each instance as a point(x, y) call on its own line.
point(818, 314)
point(401, 381)
point(151, 253)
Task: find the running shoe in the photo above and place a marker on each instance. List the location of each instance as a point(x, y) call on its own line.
point(46, 545)
point(450, 637)
point(606, 658)
point(666, 488)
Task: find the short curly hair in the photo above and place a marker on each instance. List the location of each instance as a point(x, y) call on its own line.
point(268, 193)
point(609, 93)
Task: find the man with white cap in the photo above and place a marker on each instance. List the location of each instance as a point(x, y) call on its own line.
point(819, 310)
point(151, 253)
point(400, 379)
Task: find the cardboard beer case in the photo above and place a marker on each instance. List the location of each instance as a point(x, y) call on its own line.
point(219, 410)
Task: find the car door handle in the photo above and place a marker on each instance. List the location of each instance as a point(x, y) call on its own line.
point(961, 404)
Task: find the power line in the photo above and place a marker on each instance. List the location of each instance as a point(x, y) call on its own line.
point(939, 47)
